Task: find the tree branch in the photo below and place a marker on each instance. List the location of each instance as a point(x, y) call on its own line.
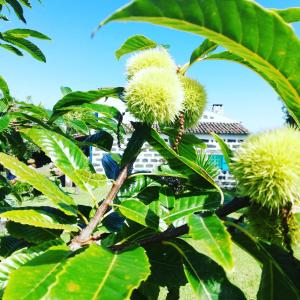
point(85, 235)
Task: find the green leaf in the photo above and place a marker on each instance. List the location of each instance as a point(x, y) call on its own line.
point(189, 204)
point(227, 152)
point(79, 126)
point(26, 45)
point(37, 218)
point(101, 139)
point(135, 185)
point(138, 212)
point(135, 43)
point(180, 163)
point(12, 49)
point(199, 53)
point(214, 240)
point(134, 146)
point(206, 47)
point(3, 17)
point(31, 234)
point(4, 122)
point(26, 3)
point(20, 258)
point(106, 275)
point(166, 197)
point(80, 98)
point(280, 278)
point(4, 88)
point(8, 245)
point(105, 110)
point(39, 182)
point(39, 274)
point(289, 15)
point(245, 28)
point(207, 279)
point(166, 266)
point(25, 33)
point(64, 154)
point(17, 7)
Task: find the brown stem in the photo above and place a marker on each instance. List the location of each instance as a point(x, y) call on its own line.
point(170, 233)
point(180, 132)
point(85, 235)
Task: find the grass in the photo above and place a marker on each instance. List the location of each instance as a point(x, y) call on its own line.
point(246, 276)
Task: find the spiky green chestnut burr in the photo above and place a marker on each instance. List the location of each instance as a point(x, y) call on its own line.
point(194, 101)
point(157, 57)
point(155, 95)
point(267, 168)
point(265, 224)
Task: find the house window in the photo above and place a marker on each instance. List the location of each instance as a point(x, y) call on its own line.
point(219, 161)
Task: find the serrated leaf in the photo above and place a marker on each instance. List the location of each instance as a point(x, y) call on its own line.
point(39, 182)
point(135, 43)
point(138, 212)
point(79, 126)
point(64, 154)
point(106, 275)
point(245, 28)
point(26, 45)
point(39, 274)
point(36, 218)
point(94, 180)
point(207, 278)
point(25, 33)
point(80, 98)
point(31, 234)
point(19, 258)
point(189, 204)
point(213, 239)
point(105, 110)
point(289, 15)
point(136, 184)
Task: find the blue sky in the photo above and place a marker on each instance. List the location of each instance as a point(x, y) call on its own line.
point(76, 60)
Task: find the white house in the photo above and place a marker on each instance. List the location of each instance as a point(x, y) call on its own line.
point(231, 131)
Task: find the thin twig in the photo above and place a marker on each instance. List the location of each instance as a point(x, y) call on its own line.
point(85, 235)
